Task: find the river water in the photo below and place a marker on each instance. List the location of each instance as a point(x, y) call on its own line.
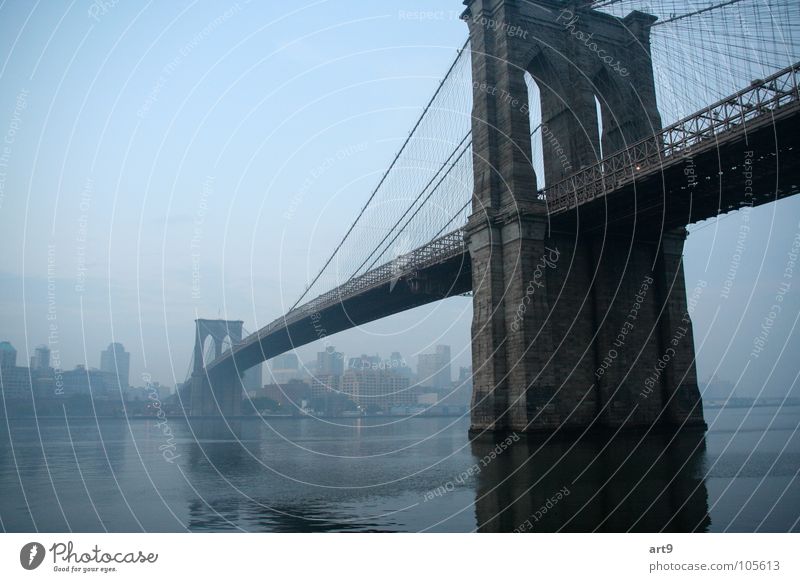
point(390, 474)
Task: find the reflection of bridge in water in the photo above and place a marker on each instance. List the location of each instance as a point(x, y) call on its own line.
point(538, 338)
point(627, 483)
point(630, 482)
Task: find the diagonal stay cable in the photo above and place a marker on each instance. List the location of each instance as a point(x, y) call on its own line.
point(385, 174)
point(399, 232)
point(696, 12)
point(414, 202)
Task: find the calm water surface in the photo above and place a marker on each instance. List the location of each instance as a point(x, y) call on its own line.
point(401, 475)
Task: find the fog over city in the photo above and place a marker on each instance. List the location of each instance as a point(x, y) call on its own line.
point(154, 174)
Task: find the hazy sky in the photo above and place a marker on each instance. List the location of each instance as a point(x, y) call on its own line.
point(163, 139)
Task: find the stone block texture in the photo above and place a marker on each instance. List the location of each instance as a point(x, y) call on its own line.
point(570, 329)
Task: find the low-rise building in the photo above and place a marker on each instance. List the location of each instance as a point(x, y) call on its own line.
point(15, 382)
point(290, 395)
point(89, 381)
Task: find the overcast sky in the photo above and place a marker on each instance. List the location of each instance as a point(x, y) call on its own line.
point(158, 140)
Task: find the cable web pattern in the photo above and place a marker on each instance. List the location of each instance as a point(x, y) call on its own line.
point(702, 52)
point(424, 193)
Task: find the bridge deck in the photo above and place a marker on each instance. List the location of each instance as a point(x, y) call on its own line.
point(430, 273)
point(714, 141)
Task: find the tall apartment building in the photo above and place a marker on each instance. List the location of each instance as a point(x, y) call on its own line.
point(324, 384)
point(40, 360)
point(8, 355)
point(378, 390)
point(15, 381)
point(114, 360)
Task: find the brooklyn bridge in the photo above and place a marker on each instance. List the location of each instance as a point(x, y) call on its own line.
point(552, 175)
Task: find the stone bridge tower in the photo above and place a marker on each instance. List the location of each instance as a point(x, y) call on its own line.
point(221, 395)
point(570, 329)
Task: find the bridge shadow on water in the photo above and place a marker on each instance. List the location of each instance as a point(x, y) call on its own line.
point(597, 483)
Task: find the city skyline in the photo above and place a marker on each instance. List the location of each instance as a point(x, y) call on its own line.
point(330, 386)
point(115, 360)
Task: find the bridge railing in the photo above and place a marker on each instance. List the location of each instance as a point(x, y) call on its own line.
point(439, 249)
point(448, 245)
point(731, 114)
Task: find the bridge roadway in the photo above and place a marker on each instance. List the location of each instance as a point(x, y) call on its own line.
point(435, 271)
point(740, 151)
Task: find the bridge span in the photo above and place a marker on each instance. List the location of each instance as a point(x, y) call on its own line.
point(616, 226)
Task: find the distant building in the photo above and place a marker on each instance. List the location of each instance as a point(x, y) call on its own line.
point(378, 390)
point(364, 362)
point(433, 370)
point(40, 360)
point(251, 379)
point(290, 396)
point(116, 361)
point(86, 382)
point(46, 383)
point(287, 361)
point(329, 363)
point(426, 369)
point(8, 355)
point(398, 363)
point(15, 382)
point(461, 391)
point(323, 384)
point(283, 368)
point(327, 397)
point(444, 375)
point(42, 375)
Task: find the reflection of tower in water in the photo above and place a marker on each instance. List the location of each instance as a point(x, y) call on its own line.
point(614, 484)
